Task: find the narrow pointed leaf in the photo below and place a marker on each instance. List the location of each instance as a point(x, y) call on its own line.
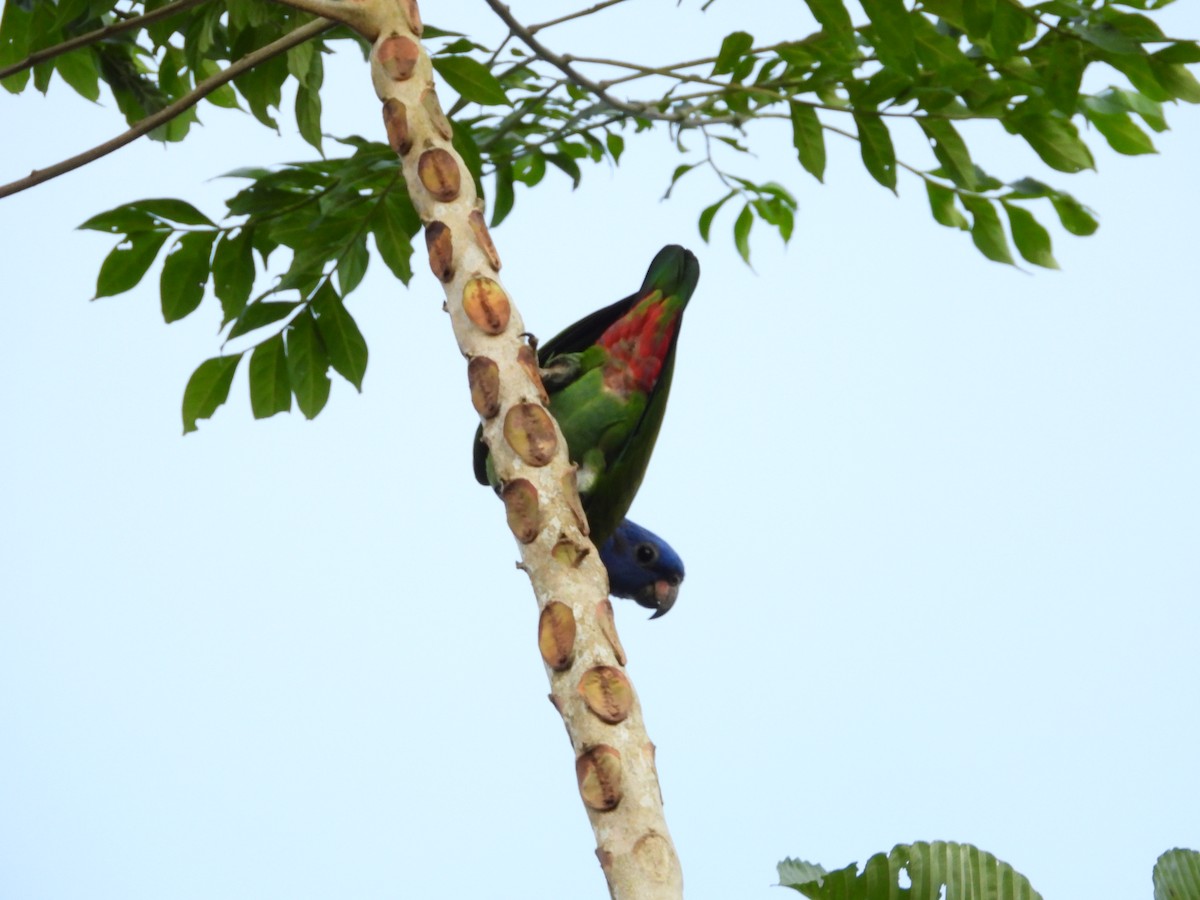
point(308, 116)
point(809, 139)
point(233, 273)
point(986, 230)
point(256, 315)
point(270, 385)
point(945, 212)
point(741, 231)
point(950, 150)
point(892, 34)
point(835, 20)
point(1177, 875)
point(1075, 217)
point(878, 155)
point(1032, 240)
point(207, 389)
point(185, 273)
point(1122, 134)
point(340, 334)
point(471, 79)
point(733, 48)
point(128, 262)
point(1056, 141)
point(174, 210)
point(352, 264)
point(308, 365)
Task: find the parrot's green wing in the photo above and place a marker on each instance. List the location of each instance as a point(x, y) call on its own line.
point(611, 405)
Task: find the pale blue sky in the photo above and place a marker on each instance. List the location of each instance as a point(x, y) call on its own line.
point(940, 519)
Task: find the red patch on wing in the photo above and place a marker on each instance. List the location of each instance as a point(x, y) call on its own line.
point(637, 345)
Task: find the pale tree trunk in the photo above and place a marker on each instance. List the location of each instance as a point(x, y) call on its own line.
point(614, 758)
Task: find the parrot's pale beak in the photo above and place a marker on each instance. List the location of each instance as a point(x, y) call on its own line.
point(662, 597)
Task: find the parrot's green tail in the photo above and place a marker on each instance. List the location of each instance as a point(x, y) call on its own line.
point(674, 272)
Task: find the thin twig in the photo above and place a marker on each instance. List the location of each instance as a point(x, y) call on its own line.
point(184, 103)
point(534, 29)
point(99, 34)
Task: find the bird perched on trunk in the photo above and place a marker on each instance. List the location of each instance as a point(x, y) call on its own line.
point(642, 567)
point(608, 377)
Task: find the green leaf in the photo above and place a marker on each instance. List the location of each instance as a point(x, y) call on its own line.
point(1063, 72)
point(1009, 24)
point(616, 145)
point(233, 272)
point(733, 48)
point(741, 232)
point(892, 34)
point(260, 313)
point(78, 69)
point(1075, 217)
point(1176, 80)
point(706, 217)
point(207, 389)
point(502, 201)
point(920, 871)
point(978, 15)
point(986, 230)
point(128, 262)
point(941, 203)
point(1120, 131)
point(392, 239)
point(344, 342)
point(270, 386)
point(950, 151)
point(808, 138)
point(878, 155)
point(530, 168)
point(308, 116)
point(835, 20)
point(185, 273)
point(1177, 875)
point(471, 79)
point(122, 220)
point(1180, 52)
point(308, 365)
point(1056, 141)
point(1032, 240)
point(464, 142)
point(172, 210)
point(352, 264)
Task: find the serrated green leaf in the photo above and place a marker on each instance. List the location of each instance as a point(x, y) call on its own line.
point(260, 313)
point(733, 48)
point(308, 116)
point(808, 138)
point(950, 150)
point(171, 209)
point(128, 262)
point(941, 204)
point(741, 232)
point(892, 34)
point(340, 334)
point(308, 365)
point(1056, 141)
point(1032, 240)
point(986, 230)
point(233, 273)
point(270, 385)
point(185, 273)
point(352, 264)
point(878, 154)
point(1177, 875)
point(207, 389)
point(471, 79)
point(1075, 217)
point(78, 69)
point(921, 871)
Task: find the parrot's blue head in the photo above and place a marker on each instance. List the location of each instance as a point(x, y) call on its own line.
point(642, 567)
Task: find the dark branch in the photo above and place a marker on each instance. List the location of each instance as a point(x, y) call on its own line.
point(92, 37)
point(184, 103)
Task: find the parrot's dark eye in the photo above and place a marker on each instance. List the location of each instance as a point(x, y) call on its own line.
point(646, 554)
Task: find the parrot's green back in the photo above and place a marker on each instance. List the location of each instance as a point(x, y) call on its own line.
point(610, 405)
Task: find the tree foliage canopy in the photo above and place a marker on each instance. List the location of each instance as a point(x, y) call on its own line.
point(525, 109)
